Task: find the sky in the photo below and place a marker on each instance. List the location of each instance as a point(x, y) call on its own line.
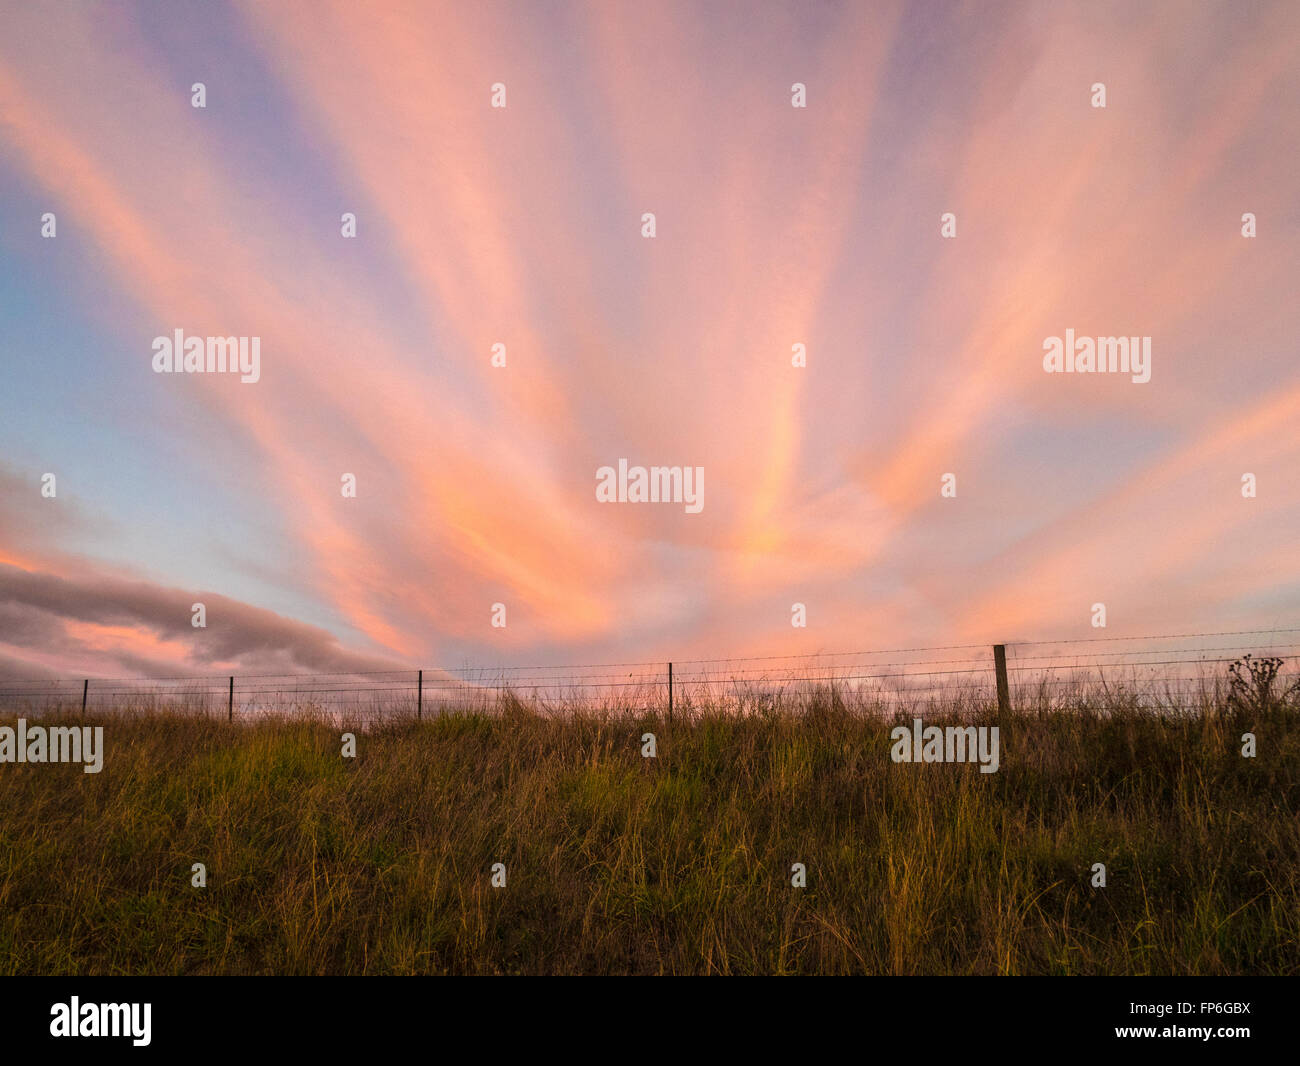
point(523, 225)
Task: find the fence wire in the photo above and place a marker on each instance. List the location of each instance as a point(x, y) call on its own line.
point(1175, 671)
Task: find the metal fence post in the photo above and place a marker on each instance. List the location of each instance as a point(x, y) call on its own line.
point(670, 692)
point(1004, 690)
point(419, 696)
point(230, 703)
point(85, 691)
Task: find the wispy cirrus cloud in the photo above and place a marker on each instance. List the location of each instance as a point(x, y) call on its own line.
point(776, 225)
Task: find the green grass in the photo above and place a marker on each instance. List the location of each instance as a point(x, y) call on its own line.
point(681, 864)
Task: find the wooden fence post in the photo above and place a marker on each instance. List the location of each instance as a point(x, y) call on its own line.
point(230, 702)
point(670, 692)
point(1004, 690)
point(419, 697)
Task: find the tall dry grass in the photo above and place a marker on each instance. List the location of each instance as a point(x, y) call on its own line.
point(679, 864)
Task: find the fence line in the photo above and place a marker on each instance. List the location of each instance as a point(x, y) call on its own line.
point(1001, 672)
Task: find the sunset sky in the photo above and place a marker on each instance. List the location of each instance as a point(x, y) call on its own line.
point(775, 225)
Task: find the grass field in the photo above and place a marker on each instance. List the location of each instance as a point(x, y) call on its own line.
point(617, 863)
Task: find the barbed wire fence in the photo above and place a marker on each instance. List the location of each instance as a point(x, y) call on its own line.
point(1170, 672)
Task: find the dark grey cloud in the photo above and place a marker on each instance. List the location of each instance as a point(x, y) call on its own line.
point(36, 607)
